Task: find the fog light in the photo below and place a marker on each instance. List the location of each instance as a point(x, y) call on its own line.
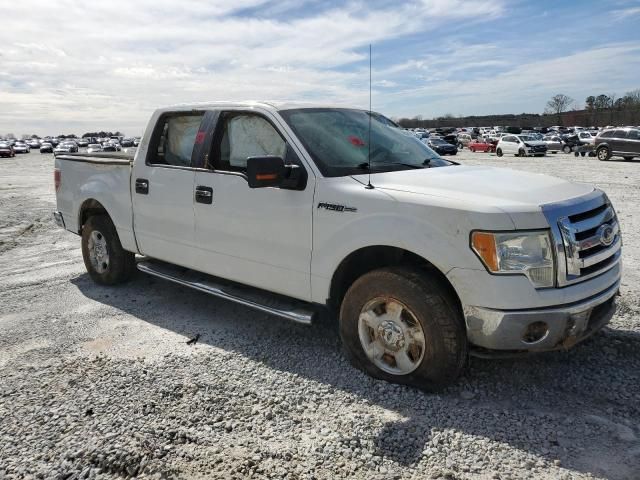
point(535, 332)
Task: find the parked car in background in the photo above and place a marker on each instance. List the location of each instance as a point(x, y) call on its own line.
point(136, 141)
point(621, 142)
point(127, 142)
point(441, 147)
point(66, 147)
point(554, 143)
point(94, 147)
point(46, 147)
point(481, 146)
point(464, 139)
point(115, 144)
point(109, 147)
point(34, 143)
point(586, 137)
point(520, 145)
point(82, 142)
point(6, 150)
point(569, 142)
point(21, 147)
point(451, 138)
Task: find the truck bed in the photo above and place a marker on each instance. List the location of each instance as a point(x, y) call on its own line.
point(97, 179)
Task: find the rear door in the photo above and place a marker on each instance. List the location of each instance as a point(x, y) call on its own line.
point(162, 190)
point(632, 144)
point(261, 236)
point(618, 141)
point(509, 144)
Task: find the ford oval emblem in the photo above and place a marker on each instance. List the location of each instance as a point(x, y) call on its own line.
point(605, 232)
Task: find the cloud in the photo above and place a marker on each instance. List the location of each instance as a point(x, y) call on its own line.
point(79, 65)
point(625, 13)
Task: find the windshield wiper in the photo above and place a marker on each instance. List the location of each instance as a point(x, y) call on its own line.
point(381, 166)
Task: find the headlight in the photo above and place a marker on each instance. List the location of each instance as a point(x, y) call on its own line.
point(529, 253)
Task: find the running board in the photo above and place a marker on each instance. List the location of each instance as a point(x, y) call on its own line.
point(272, 303)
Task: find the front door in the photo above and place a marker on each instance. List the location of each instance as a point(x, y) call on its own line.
point(262, 236)
point(162, 191)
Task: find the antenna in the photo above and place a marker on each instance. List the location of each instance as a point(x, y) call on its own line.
point(369, 186)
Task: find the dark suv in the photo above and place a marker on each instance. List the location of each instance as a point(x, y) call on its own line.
point(619, 142)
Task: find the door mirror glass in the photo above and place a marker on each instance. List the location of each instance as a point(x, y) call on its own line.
point(265, 171)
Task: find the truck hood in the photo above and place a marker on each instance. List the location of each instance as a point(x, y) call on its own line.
point(502, 188)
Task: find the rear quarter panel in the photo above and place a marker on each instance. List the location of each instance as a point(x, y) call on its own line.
point(108, 184)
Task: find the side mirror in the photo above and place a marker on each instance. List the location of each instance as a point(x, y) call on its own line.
point(265, 171)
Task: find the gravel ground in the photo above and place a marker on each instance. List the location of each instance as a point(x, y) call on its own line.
point(99, 382)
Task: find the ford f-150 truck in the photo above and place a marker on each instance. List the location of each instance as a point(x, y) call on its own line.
point(295, 210)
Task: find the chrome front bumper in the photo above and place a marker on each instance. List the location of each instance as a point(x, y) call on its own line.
point(566, 324)
point(57, 216)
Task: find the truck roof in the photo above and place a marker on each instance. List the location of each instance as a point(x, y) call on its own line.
point(268, 105)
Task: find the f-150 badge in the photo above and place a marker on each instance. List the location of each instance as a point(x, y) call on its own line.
point(336, 208)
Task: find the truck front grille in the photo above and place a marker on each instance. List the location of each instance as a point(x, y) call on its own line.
point(587, 238)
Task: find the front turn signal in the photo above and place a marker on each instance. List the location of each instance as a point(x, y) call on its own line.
point(484, 244)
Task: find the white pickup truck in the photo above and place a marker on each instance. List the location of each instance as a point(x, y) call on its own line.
point(294, 209)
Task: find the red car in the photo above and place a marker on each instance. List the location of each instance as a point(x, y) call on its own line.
point(481, 146)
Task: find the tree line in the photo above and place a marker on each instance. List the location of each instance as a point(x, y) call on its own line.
point(561, 109)
point(102, 134)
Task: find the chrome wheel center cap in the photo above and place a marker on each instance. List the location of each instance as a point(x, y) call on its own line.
point(391, 335)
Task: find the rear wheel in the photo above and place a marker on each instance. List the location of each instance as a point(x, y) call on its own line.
point(628, 159)
point(105, 259)
point(402, 326)
point(603, 154)
point(499, 152)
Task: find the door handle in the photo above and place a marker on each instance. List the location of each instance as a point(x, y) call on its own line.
point(142, 186)
point(204, 195)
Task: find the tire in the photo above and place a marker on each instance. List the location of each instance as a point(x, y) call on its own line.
point(566, 149)
point(628, 159)
point(460, 146)
point(521, 153)
point(422, 304)
point(472, 149)
point(603, 154)
point(106, 261)
point(499, 152)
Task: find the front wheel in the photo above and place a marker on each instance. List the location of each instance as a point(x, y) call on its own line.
point(105, 259)
point(603, 154)
point(499, 152)
point(566, 149)
point(402, 326)
point(521, 153)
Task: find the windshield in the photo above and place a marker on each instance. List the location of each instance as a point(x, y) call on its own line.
point(439, 141)
point(526, 138)
point(337, 140)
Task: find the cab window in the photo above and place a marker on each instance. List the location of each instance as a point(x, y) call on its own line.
point(245, 135)
point(174, 139)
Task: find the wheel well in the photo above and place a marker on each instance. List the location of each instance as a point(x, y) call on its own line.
point(372, 258)
point(88, 209)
